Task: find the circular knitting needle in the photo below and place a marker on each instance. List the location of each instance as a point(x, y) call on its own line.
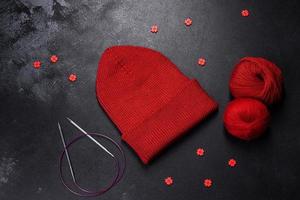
point(90, 137)
point(67, 153)
point(75, 188)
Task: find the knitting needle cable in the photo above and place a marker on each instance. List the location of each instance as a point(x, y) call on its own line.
point(120, 165)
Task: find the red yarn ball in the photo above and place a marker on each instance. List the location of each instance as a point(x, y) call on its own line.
point(257, 78)
point(246, 118)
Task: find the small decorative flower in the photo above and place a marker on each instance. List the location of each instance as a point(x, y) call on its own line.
point(207, 182)
point(232, 162)
point(188, 21)
point(201, 61)
point(245, 13)
point(169, 180)
point(37, 64)
point(154, 29)
point(200, 152)
point(54, 58)
point(72, 77)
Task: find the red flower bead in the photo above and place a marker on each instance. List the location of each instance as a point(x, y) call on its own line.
point(207, 182)
point(154, 29)
point(37, 64)
point(72, 77)
point(201, 61)
point(232, 162)
point(188, 21)
point(200, 152)
point(169, 180)
point(54, 58)
point(245, 13)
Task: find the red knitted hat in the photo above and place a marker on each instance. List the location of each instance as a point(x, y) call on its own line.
point(148, 98)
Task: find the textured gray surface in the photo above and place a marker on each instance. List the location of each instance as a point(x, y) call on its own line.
point(78, 31)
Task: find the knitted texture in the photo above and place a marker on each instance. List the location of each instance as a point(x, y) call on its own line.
point(150, 101)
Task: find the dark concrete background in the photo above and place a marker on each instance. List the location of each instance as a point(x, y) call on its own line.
point(32, 101)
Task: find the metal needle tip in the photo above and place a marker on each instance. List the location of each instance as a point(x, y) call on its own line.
point(90, 137)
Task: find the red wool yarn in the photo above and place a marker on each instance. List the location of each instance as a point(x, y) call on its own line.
point(257, 78)
point(246, 118)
